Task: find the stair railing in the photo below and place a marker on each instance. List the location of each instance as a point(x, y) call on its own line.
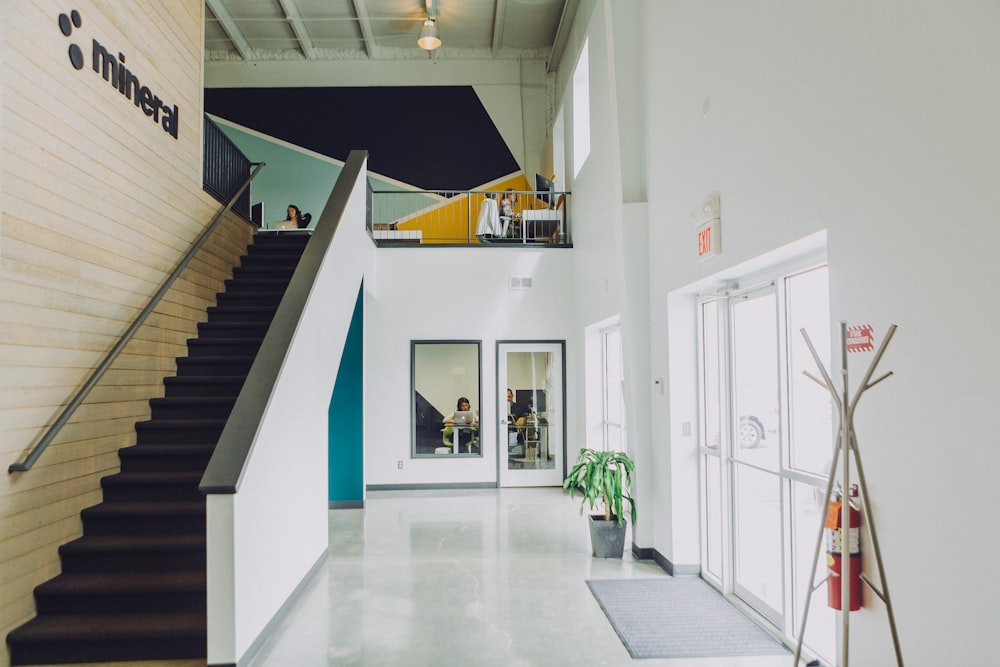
point(98, 373)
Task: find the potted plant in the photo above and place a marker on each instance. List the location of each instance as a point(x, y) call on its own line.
point(605, 477)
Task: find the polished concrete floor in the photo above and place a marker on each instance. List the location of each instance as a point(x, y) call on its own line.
point(474, 577)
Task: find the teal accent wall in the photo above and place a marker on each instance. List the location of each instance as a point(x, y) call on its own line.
point(345, 415)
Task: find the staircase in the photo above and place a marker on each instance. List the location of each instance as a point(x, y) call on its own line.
point(133, 587)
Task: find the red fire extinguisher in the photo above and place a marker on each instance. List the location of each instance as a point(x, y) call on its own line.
point(835, 549)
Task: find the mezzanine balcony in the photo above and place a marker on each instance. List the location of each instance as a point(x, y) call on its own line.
point(470, 218)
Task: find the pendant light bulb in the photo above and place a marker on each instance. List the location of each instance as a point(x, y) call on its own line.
point(429, 39)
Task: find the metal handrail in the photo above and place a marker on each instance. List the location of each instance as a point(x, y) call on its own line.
point(95, 377)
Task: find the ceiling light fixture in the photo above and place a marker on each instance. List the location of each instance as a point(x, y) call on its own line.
point(429, 39)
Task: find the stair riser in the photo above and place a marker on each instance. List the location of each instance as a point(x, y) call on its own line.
point(252, 300)
point(192, 386)
point(164, 433)
point(239, 315)
point(265, 285)
point(170, 525)
point(192, 366)
point(235, 330)
point(112, 602)
point(182, 463)
point(284, 244)
point(187, 409)
point(285, 260)
point(137, 561)
point(150, 493)
point(102, 650)
point(263, 272)
point(199, 347)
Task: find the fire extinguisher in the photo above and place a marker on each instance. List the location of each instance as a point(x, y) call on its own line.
point(834, 551)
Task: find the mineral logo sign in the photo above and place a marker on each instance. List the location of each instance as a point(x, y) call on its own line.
point(112, 68)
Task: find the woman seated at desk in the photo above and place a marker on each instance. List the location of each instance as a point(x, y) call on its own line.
point(293, 221)
point(463, 424)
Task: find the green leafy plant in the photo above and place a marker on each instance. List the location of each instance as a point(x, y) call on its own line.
point(605, 476)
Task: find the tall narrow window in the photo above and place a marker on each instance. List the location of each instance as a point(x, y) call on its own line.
point(581, 110)
point(614, 398)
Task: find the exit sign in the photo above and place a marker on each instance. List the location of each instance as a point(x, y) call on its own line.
point(709, 239)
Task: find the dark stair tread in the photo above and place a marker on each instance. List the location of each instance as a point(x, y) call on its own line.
point(112, 626)
point(148, 508)
point(215, 359)
point(162, 422)
point(204, 380)
point(121, 543)
point(159, 477)
point(179, 449)
point(223, 341)
point(119, 583)
point(192, 400)
point(268, 282)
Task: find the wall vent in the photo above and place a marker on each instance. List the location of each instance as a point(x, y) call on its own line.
point(520, 282)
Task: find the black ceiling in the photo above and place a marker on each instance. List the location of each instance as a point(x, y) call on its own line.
point(435, 138)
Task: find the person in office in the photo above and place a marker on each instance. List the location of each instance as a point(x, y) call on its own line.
point(513, 421)
point(463, 416)
point(293, 221)
point(509, 214)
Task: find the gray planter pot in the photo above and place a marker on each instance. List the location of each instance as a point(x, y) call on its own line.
point(607, 537)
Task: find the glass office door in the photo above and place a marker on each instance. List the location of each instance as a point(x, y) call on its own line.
point(530, 429)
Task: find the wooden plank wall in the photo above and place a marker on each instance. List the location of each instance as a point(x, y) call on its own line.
point(98, 205)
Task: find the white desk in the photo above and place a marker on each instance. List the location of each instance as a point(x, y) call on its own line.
point(398, 235)
point(536, 215)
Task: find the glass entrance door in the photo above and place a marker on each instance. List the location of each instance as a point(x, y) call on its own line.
point(754, 456)
point(530, 430)
point(766, 439)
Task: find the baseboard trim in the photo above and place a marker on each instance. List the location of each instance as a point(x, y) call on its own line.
point(346, 505)
point(251, 653)
point(673, 569)
point(430, 487)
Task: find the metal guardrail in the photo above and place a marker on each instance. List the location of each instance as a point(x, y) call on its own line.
point(224, 169)
point(469, 218)
point(95, 377)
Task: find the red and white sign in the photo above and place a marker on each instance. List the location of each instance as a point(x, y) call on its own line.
point(709, 239)
point(860, 338)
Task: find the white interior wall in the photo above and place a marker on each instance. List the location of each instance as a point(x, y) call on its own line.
point(444, 294)
point(869, 122)
point(274, 528)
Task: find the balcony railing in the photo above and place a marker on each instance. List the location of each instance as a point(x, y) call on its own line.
point(470, 218)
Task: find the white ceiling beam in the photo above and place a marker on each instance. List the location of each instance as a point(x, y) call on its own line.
point(499, 18)
point(367, 31)
point(236, 35)
point(562, 35)
point(293, 16)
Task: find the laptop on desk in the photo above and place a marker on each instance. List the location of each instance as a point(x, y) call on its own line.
point(464, 417)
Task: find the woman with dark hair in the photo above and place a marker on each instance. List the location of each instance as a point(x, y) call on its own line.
point(293, 221)
point(463, 425)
